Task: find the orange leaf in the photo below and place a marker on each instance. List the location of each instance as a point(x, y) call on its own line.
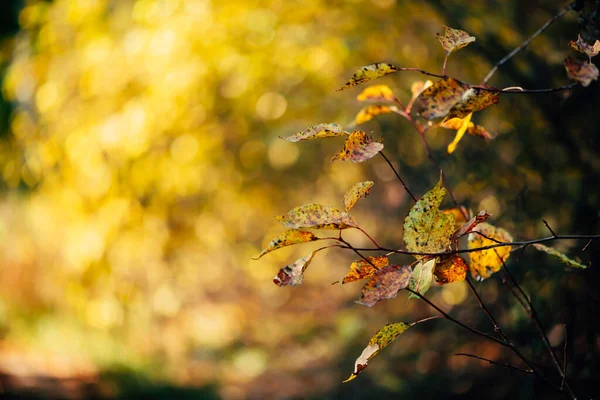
point(317, 132)
point(581, 71)
point(450, 268)
point(317, 217)
point(358, 147)
point(581, 46)
point(370, 112)
point(376, 93)
point(437, 100)
point(368, 73)
point(454, 39)
point(361, 269)
point(385, 284)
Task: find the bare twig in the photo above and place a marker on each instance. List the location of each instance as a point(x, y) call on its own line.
point(525, 371)
point(548, 226)
point(562, 385)
point(398, 176)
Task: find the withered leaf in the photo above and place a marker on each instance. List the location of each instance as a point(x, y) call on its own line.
point(317, 132)
point(385, 284)
point(450, 268)
point(293, 274)
point(484, 263)
point(358, 147)
point(426, 228)
point(377, 93)
point(422, 275)
point(437, 100)
point(470, 225)
point(288, 238)
point(381, 339)
point(370, 72)
point(474, 99)
point(553, 252)
point(583, 72)
point(583, 47)
point(316, 216)
point(370, 112)
point(358, 190)
point(454, 39)
point(361, 269)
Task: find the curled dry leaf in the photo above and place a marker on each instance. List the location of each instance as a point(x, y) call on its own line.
point(316, 216)
point(288, 238)
point(422, 275)
point(370, 112)
point(385, 284)
point(358, 147)
point(293, 274)
point(377, 93)
point(450, 268)
point(368, 73)
point(454, 39)
point(317, 132)
point(474, 99)
point(381, 339)
point(583, 47)
point(361, 269)
point(437, 100)
point(484, 263)
point(472, 129)
point(581, 71)
point(426, 228)
point(553, 252)
point(470, 225)
point(358, 190)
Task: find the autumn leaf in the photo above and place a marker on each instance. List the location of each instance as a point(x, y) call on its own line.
point(293, 274)
point(583, 47)
point(450, 268)
point(370, 112)
point(368, 73)
point(377, 93)
point(422, 275)
point(317, 132)
point(459, 215)
point(378, 342)
point(486, 262)
point(426, 228)
point(358, 147)
point(385, 284)
point(437, 100)
point(358, 190)
point(553, 252)
point(470, 225)
point(361, 269)
point(474, 99)
point(472, 129)
point(417, 87)
point(459, 134)
point(581, 71)
point(454, 39)
point(317, 217)
point(288, 238)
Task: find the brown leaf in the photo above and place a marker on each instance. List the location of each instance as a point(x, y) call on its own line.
point(317, 132)
point(470, 225)
point(370, 112)
point(474, 99)
point(385, 284)
point(454, 39)
point(581, 71)
point(437, 100)
point(484, 263)
point(418, 86)
point(583, 47)
point(357, 191)
point(450, 268)
point(370, 72)
point(358, 147)
point(361, 269)
point(377, 93)
point(316, 216)
point(288, 238)
point(293, 274)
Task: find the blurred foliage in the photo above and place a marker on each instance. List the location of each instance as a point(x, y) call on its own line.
point(141, 168)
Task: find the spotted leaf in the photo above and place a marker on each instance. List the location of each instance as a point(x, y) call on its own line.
point(562, 257)
point(316, 216)
point(358, 147)
point(454, 39)
point(450, 268)
point(385, 284)
point(362, 269)
point(437, 100)
point(293, 274)
point(583, 72)
point(358, 190)
point(317, 132)
point(368, 73)
point(484, 263)
point(583, 47)
point(474, 99)
point(288, 238)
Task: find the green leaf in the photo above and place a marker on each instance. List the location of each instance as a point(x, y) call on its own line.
point(421, 278)
point(358, 190)
point(378, 342)
point(316, 216)
point(385, 284)
point(288, 238)
point(426, 228)
point(317, 132)
point(553, 252)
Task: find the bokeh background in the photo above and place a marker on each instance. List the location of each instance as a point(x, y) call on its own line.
point(141, 168)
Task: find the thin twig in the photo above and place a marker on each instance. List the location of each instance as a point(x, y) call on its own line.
point(587, 244)
point(548, 226)
point(398, 176)
point(367, 235)
point(513, 90)
point(445, 62)
point(526, 42)
point(562, 385)
point(525, 371)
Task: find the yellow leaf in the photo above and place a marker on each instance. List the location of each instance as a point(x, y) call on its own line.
point(317, 132)
point(454, 39)
point(437, 100)
point(358, 147)
point(581, 71)
point(376, 93)
point(317, 217)
point(289, 237)
point(484, 263)
point(460, 133)
point(357, 191)
point(450, 268)
point(361, 269)
point(370, 72)
point(417, 87)
point(472, 129)
point(370, 112)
